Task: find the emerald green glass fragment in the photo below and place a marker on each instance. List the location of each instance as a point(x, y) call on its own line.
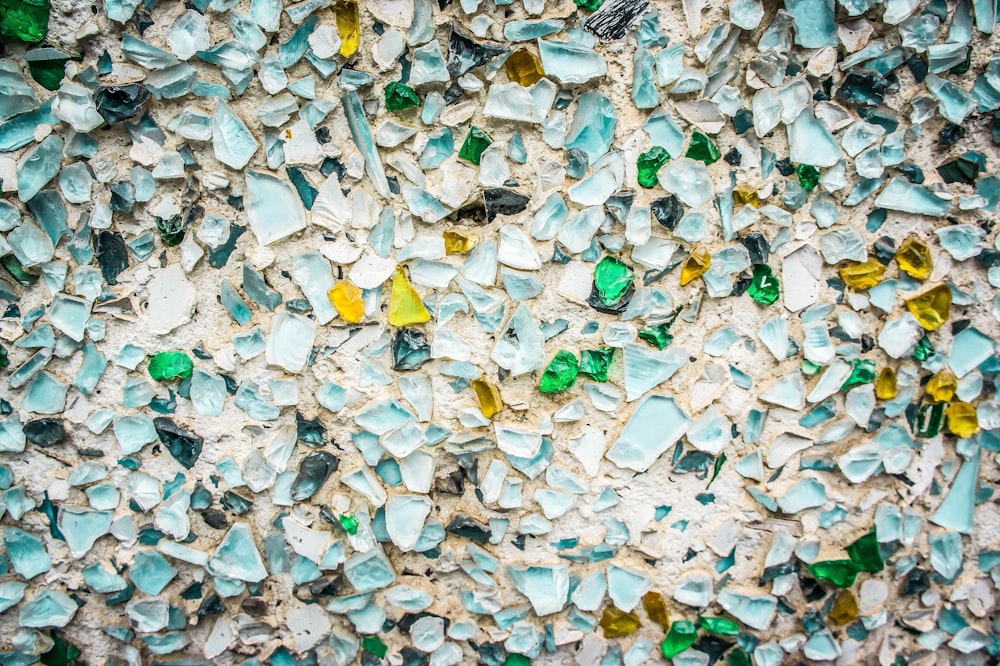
point(476, 142)
point(170, 365)
point(764, 288)
point(649, 164)
point(560, 374)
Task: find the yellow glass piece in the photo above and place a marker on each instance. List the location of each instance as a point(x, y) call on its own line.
point(845, 608)
point(914, 258)
point(962, 419)
point(931, 307)
point(885, 386)
point(490, 402)
point(524, 67)
point(347, 299)
point(617, 623)
point(744, 195)
point(458, 241)
point(942, 386)
point(862, 275)
point(656, 609)
point(696, 265)
point(349, 27)
point(405, 306)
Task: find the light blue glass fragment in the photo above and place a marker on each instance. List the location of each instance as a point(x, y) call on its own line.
point(529, 29)
point(38, 166)
point(814, 23)
point(656, 424)
point(26, 552)
point(546, 587)
point(572, 62)
point(902, 195)
point(362, 134)
point(593, 127)
point(369, 571)
point(48, 608)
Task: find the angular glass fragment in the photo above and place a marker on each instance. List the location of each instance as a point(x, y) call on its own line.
point(232, 140)
point(571, 62)
point(560, 374)
point(405, 306)
point(476, 142)
point(931, 308)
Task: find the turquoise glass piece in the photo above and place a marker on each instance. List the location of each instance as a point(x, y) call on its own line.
point(26, 552)
point(237, 557)
point(571, 62)
point(39, 166)
point(593, 127)
point(48, 608)
point(365, 142)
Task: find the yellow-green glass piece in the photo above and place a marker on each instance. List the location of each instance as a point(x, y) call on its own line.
point(490, 402)
point(942, 386)
point(862, 275)
point(962, 419)
point(405, 306)
point(886, 387)
point(524, 67)
point(696, 265)
point(458, 241)
point(349, 27)
point(931, 307)
point(914, 258)
point(617, 623)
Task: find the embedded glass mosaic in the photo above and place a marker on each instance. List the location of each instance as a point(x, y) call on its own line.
point(435, 332)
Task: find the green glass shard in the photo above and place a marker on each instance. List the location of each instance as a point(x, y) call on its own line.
point(170, 365)
point(765, 288)
point(649, 164)
point(26, 20)
point(808, 176)
point(560, 374)
point(594, 363)
point(681, 636)
point(702, 148)
point(613, 279)
point(476, 142)
point(399, 97)
point(841, 573)
point(865, 553)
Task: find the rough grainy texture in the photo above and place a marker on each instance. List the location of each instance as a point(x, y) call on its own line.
point(684, 513)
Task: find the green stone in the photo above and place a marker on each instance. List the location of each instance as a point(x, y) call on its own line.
point(476, 141)
point(765, 287)
point(613, 278)
point(681, 636)
point(808, 176)
point(702, 148)
point(866, 554)
point(26, 20)
point(399, 97)
point(659, 335)
point(594, 363)
point(838, 572)
point(930, 418)
point(862, 372)
point(4, 361)
point(589, 5)
point(810, 369)
point(925, 349)
point(375, 645)
point(719, 625)
point(650, 163)
point(560, 374)
point(170, 365)
point(349, 523)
